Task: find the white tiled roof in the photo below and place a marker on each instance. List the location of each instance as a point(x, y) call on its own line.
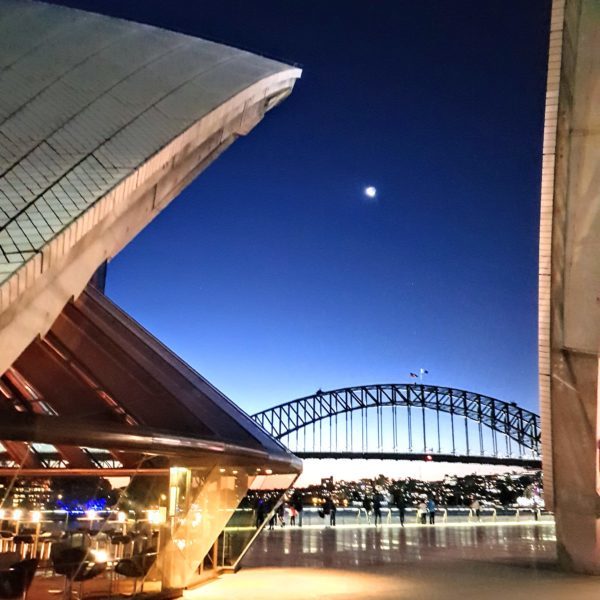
point(85, 100)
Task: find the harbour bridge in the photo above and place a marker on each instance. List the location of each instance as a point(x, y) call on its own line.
point(405, 421)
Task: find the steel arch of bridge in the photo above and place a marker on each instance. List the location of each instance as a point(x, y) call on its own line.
point(508, 419)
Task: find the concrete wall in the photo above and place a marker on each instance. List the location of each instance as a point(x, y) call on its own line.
point(569, 291)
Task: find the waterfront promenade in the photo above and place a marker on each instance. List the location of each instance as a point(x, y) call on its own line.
point(463, 561)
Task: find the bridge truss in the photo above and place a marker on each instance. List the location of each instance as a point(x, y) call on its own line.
point(406, 421)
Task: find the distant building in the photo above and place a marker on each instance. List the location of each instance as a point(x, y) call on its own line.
point(28, 493)
point(327, 484)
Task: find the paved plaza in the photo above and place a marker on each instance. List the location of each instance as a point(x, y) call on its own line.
point(513, 561)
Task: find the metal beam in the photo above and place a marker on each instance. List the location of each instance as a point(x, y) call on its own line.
point(531, 463)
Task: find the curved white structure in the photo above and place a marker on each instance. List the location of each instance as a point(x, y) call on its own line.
point(102, 123)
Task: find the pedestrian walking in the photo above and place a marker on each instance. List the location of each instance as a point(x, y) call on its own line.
point(329, 508)
point(377, 508)
point(297, 503)
point(368, 506)
point(422, 512)
point(476, 509)
point(261, 512)
point(281, 514)
point(401, 504)
point(431, 508)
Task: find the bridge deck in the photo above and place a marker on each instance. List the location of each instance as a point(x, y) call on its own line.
point(530, 463)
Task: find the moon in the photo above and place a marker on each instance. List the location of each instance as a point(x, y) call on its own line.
point(370, 191)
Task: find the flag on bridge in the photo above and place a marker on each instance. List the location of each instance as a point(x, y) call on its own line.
point(413, 374)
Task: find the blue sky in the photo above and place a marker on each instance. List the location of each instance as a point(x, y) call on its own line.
point(273, 275)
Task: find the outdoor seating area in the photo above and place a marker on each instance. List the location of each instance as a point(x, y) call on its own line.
point(152, 533)
point(46, 553)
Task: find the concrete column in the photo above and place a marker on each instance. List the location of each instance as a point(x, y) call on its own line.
point(569, 296)
point(575, 451)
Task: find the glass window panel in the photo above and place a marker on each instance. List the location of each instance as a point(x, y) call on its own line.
point(44, 448)
point(262, 505)
point(115, 523)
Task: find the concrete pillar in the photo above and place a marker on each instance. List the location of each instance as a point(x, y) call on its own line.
point(569, 290)
point(575, 450)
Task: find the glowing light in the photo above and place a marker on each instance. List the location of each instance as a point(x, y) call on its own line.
point(121, 517)
point(178, 471)
point(36, 516)
point(101, 556)
point(173, 495)
point(370, 191)
point(2, 513)
point(90, 514)
point(269, 472)
point(157, 516)
point(17, 514)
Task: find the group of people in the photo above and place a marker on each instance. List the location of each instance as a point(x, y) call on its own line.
point(264, 507)
point(427, 509)
point(372, 505)
point(329, 511)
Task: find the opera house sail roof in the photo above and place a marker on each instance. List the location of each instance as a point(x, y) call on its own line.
point(102, 123)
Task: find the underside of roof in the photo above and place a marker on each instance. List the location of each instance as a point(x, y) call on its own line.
point(102, 123)
point(98, 379)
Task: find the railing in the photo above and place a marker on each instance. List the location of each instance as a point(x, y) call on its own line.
point(355, 515)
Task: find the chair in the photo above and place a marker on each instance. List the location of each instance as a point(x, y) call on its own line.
point(16, 580)
point(78, 539)
point(140, 544)
point(77, 565)
point(137, 567)
point(6, 540)
point(120, 545)
point(46, 540)
point(24, 544)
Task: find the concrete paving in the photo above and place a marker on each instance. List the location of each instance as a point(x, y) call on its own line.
point(467, 561)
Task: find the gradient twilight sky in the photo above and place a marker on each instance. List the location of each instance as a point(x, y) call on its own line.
point(273, 275)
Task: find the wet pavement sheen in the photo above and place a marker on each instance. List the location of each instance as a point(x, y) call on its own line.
point(511, 561)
